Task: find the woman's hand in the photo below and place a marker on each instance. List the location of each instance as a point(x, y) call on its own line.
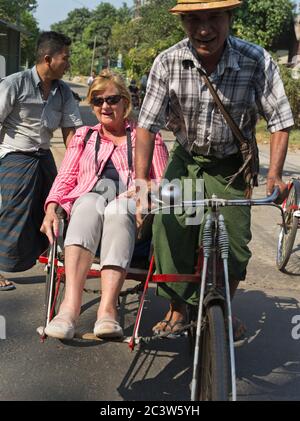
point(50, 223)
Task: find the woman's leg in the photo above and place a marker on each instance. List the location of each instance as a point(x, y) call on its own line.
point(82, 240)
point(78, 261)
point(112, 279)
point(117, 245)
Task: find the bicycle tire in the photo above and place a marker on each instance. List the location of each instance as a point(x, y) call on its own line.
point(286, 241)
point(214, 378)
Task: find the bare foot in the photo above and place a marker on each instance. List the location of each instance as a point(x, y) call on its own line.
point(5, 284)
point(174, 317)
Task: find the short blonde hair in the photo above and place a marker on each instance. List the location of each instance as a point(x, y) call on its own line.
point(106, 78)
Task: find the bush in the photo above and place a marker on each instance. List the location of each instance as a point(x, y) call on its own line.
point(292, 89)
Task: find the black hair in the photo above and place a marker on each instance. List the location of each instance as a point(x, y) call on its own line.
point(50, 43)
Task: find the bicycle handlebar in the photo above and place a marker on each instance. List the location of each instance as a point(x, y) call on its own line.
point(171, 198)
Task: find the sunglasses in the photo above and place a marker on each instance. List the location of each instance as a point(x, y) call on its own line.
point(110, 100)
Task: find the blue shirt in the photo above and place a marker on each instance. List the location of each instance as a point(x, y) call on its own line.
point(27, 122)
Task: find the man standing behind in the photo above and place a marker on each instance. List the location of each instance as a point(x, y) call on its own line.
point(248, 83)
point(33, 104)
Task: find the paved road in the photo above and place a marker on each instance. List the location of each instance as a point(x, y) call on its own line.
point(268, 366)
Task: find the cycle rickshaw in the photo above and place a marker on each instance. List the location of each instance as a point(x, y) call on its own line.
point(286, 239)
point(209, 326)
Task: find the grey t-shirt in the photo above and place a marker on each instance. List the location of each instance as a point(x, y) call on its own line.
point(27, 122)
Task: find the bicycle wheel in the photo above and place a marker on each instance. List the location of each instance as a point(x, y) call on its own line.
point(286, 241)
point(214, 379)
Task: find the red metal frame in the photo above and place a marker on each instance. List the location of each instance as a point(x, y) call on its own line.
point(137, 276)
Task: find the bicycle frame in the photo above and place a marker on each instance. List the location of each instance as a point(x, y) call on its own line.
point(215, 243)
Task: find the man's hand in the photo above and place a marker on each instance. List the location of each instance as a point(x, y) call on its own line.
point(143, 201)
point(273, 181)
point(278, 150)
point(50, 223)
point(144, 147)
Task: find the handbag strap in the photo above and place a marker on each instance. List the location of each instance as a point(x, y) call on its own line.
point(247, 148)
point(231, 123)
point(129, 153)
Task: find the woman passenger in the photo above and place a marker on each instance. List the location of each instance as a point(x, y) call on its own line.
point(89, 173)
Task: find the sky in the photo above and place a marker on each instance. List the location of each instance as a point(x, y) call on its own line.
point(53, 11)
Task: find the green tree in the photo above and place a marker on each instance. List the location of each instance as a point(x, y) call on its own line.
point(141, 39)
point(262, 21)
point(85, 27)
point(19, 12)
point(11, 9)
point(28, 39)
point(99, 29)
point(80, 59)
point(75, 23)
point(292, 90)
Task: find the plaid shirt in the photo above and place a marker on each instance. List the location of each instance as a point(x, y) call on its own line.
point(247, 81)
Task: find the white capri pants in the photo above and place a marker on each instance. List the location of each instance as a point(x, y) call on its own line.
point(111, 225)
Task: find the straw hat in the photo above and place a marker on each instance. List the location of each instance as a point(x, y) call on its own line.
point(185, 6)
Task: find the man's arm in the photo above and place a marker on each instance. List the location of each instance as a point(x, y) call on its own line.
point(144, 147)
point(68, 133)
point(278, 150)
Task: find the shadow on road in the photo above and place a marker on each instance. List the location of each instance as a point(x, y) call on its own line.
point(170, 384)
point(268, 364)
point(28, 280)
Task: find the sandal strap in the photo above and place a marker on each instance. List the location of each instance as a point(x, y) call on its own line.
point(3, 279)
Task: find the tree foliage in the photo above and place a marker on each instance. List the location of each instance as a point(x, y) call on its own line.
point(263, 21)
point(292, 90)
point(10, 10)
point(28, 40)
point(19, 12)
point(74, 24)
point(89, 29)
point(141, 39)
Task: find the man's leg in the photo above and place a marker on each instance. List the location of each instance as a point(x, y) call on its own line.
point(175, 248)
point(175, 243)
point(18, 178)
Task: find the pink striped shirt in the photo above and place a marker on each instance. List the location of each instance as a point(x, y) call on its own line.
point(77, 172)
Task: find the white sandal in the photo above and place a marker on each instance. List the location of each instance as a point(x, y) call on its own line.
point(108, 328)
point(61, 327)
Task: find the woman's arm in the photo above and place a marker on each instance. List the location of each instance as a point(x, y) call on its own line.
point(66, 178)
